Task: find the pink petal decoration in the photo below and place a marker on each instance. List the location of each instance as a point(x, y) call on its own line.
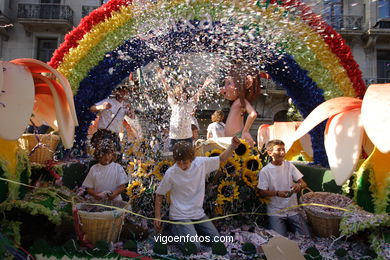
point(325, 110)
point(37, 66)
point(44, 111)
point(262, 135)
point(343, 143)
point(64, 118)
point(376, 115)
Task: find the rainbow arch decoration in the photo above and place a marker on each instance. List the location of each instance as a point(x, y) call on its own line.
point(308, 58)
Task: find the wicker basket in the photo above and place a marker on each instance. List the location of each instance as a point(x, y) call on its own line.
point(325, 222)
point(105, 225)
point(204, 146)
point(44, 151)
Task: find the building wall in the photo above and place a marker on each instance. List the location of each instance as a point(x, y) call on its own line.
point(22, 44)
point(364, 43)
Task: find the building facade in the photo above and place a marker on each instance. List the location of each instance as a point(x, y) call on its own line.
point(35, 28)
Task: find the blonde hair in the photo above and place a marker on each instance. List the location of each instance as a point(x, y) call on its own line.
point(218, 116)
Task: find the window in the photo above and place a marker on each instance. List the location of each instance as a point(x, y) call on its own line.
point(383, 66)
point(333, 13)
point(45, 50)
point(384, 9)
point(50, 1)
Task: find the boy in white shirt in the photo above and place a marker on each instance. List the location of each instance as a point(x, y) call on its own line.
point(186, 182)
point(281, 180)
point(106, 179)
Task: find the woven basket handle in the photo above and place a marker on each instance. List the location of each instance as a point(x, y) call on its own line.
point(306, 188)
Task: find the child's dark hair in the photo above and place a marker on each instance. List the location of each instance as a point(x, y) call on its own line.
point(272, 143)
point(218, 116)
point(183, 151)
point(104, 147)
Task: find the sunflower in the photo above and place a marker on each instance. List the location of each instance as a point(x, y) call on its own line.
point(160, 169)
point(263, 200)
point(144, 169)
point(243, 149)
point(227, 191)
point(231, 166)
point(135, 189)
point(130, 151)
point(218, 210)
point(214, 153)
point(131, 167)
point(252, 163)
point(250, 178)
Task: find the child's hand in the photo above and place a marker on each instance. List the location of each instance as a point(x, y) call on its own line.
point(100, 196)
point(296, 187)
point(106, 105)
point(235, 142)
point(157, 225)
point(248, 138)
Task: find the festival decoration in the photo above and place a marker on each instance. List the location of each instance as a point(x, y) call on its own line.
point(349, 118)
point(308, 57)
point(284, 131)
point(26, 91)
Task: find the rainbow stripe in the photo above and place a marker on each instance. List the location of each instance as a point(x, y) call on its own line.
point(320, 65)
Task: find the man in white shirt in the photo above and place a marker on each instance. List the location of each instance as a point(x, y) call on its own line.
point(186, 182)
point(112, 112)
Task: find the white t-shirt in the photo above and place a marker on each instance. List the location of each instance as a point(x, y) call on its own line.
point(279, 178)
point(108, 114)
point(180, 122)
point(106, 178)
point(187, 188)
point(217, 129)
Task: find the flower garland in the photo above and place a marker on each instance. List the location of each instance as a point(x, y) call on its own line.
point(87, 23)
point(333, 39)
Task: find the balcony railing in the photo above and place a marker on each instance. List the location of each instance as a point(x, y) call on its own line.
point(86, 9)
point(45, 11)
point(342, 22)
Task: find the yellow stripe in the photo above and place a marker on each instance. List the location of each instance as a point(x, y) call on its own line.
point(72, 201)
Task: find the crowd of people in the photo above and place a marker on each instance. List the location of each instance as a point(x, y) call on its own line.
point(185, 180)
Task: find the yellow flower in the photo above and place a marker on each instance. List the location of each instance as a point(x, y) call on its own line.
point(160, 169)
point(131, 167)
point(135, 189)
point(218, 210)
point(252, 163)
point(227, 191)
point(231, 166)
point(263, 200)
point(250, 178)
point(243, 149)
point(144, 169)
point(214, 153)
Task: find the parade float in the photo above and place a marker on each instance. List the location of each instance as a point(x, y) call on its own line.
point(285, 39)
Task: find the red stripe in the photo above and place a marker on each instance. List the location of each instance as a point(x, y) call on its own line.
point(87, 23)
